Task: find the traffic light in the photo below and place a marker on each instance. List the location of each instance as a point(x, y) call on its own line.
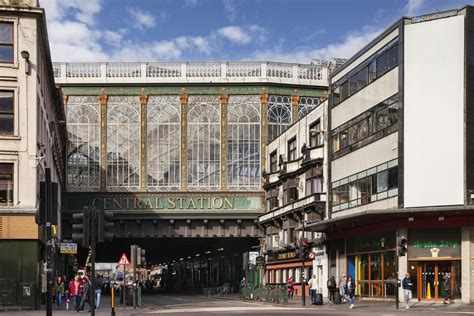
point(143, 263)
point(81, 227)
point(105, 226)
point(305, 248)
point(402, 244)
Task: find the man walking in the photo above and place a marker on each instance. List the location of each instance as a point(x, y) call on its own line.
point(447, 287)
point(343, 286)
point(86, 293)
point(407, 286)
point(313, 286)
point(98, 290)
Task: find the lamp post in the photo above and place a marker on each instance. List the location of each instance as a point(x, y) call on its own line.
point(303, 294)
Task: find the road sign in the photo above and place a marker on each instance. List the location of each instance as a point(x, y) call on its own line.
point(124, 260)
point(260, 261)
point(68, 248)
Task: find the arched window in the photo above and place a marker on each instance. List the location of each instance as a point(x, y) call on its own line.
point(123, 143)
point(83, 155)
point(306, 104)
point(163, 143)
point(278, 115)
point(204, 142)
point(243, 143)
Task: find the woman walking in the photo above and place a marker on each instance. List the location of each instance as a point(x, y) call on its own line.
point(291, 287)
point(75, 290)
point(59, 291)
point(351, 290)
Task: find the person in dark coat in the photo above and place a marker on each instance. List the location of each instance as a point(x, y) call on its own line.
point(351, 290)
point(447, 288)
point(86, 293)
point(331, 289)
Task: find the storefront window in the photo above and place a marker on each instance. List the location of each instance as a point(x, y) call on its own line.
point(363, 273)
point(376, 275)
point(390, 273)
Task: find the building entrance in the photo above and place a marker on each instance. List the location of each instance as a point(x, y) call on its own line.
point(429, 279)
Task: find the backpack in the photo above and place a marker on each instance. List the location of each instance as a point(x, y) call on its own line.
point(331, 283)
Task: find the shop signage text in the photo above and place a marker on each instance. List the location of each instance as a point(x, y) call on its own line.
point(287, 255)
point(434, 244)
point(69, 248)
point(134, 203)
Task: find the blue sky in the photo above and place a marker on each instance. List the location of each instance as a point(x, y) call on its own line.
point(221, 30)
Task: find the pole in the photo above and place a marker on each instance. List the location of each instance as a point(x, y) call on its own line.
point(93, 227)
point(113, 301)
point(124, 287)
point(397, 258)
point(49, 206)
point(303, 294)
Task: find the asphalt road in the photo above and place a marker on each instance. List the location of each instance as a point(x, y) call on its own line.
point(176, 305)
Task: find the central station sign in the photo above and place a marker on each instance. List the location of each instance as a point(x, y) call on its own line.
point(161, 202)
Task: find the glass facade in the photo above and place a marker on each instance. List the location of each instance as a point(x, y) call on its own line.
point(243, 143)
point(205, 140)
point(123, 143)
point(83, 154)
point(163, 140)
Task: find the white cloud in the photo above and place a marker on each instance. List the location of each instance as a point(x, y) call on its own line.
point(235, 34)
point(413, 7)
point(190, 3)
point(141, 19)
point(344, 49)
point(230, 10)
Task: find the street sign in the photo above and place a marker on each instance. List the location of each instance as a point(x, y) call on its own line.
point(69, 248)
point(260, 261)
point(124, 260)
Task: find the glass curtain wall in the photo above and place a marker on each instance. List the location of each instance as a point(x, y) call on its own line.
point(83, 153)
point(123, 143)
point(204, 142)
point(243, 143)
point(278, 115)
point(163, 143)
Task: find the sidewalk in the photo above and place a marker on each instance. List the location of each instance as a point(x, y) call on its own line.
point(371, 305)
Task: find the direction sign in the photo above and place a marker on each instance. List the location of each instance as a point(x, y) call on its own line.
point(124, 260)
point(68, 248)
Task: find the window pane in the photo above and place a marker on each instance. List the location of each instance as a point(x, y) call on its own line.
point(358, 81)
point(344, 91)
point(6, 123)
point(6, 184)
point(344, 193)
point(382, 64)
point(393, 178)
point(393, 56)
point(6, 53)
point(372, 71)
point(278, 116)
point(6, 102)
point(382, 181)
point(6, 32)
point(382, 119)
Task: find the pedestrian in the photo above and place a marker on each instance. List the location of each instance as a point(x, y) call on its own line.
point(407, 287)
point(67, 298)
point(291, 287)
point(59, 291)
point(98, 290)
point(331, 284)
point(343, 286)
point(447, 288)
point(86, 293)
point(75, 289)
point(350, 290)
point(243, 283)
point(313, 287)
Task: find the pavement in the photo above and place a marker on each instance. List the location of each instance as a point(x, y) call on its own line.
point(176, 305)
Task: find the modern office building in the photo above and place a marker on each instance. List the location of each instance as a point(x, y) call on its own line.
point(295, 187)
point(173, 149)
point(401, 157)
point(32, 139)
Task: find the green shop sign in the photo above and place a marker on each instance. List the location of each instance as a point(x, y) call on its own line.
point(434, 244)
point(160, 202)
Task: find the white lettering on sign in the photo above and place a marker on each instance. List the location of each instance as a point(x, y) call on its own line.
point(68, 248)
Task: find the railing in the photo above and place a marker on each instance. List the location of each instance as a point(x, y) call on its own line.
point(310, 74)
point(266, 293)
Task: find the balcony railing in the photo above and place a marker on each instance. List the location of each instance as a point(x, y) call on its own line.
point(220, 72)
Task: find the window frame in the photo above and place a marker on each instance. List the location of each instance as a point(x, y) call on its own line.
point(12, 113)
point(13, 180)
point(11, 44)
point(273, 162)
point(291, 149)
point(317, 136)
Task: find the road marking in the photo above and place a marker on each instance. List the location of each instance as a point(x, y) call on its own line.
point(225, 309)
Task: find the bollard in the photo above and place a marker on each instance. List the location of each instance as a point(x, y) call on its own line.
point(113, 301)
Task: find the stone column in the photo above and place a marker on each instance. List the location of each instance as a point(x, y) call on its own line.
point(224, 100)
point(183, 98)
point(263, 132)
point(467, 264)
point(103, 142)
point(294, 108)
point(143, 153)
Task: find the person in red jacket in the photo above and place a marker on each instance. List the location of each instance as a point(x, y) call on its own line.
point(75, 290)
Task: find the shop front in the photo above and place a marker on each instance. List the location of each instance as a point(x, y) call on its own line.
point(371, 262)
point(433, 255)
point(283, 265)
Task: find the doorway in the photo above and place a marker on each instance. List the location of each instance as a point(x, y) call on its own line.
point(430, 279)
